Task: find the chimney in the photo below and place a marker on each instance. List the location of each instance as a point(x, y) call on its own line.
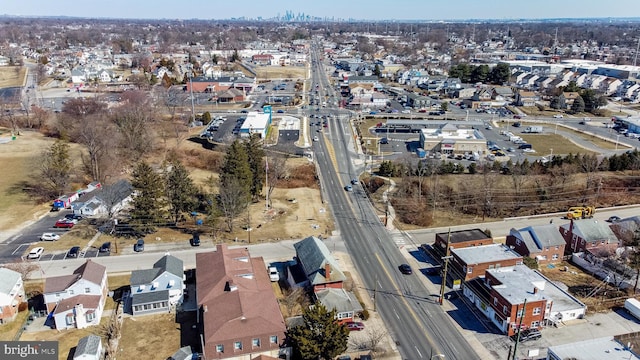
point(327, 271)
point(205, 308)
point(535, 290)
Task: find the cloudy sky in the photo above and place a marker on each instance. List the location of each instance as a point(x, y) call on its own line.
point(349, 9)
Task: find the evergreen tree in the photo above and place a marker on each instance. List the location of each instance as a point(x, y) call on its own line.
point(386, 168)
point(235, 182)
point(181, 191)
point(149, 202)
point(320, 336)
point(376, 70)
point(55, 167)
point(480, 73)
point(578, 105)
point(500, 74)
point(255, 153)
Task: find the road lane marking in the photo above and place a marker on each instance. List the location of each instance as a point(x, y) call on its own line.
point(418, 351)
point(413, 314)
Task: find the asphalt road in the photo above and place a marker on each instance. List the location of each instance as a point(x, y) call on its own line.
point(417, 324)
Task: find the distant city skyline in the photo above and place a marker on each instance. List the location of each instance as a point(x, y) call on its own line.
point(352, 9)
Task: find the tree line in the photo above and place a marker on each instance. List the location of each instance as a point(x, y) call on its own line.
point(497, 189)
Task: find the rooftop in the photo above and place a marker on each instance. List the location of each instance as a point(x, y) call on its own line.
point(518, 283)
point(464, 235)
point(485, 254)
point(605, 348)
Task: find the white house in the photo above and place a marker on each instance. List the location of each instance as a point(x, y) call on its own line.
point(107, 200)
point(89, 348)
point(157, 289)
point(11, 294)
point(77, 300)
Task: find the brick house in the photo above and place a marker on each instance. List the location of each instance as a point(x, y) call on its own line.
point(472, 262)
point(461, 239)
point(544, 243)
point(11, 294)
point(502, 293)
point(238, 311)
point(588, 235)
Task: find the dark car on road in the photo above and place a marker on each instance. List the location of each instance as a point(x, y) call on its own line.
point(106, 247)
point(405, 269)
point(139, 246)
point(73, 252)
point(195, 240)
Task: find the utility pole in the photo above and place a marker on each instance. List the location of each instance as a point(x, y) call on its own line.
point(524, 311)
point(446, 258)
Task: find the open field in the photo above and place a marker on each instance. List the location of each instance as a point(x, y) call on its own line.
point(149, 337)
point(9, 77)
point(543, 143)
point(16, 207)
point(281, 72)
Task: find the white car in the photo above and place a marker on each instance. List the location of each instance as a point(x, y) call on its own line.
point(49, 237)
point(315, 138)
point(558, 116)
point(406, 111)
point(273, 274)
point(35, 253)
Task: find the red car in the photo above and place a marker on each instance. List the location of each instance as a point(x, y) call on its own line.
point(355, 326)
point(63, 224)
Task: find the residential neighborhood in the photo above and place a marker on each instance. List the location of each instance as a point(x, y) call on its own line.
point(298, 186)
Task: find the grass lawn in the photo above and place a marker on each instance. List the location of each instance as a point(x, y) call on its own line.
point(149, 337)
point(9, 77)
point(543, 143)
point(67, 339)
point(8, 331)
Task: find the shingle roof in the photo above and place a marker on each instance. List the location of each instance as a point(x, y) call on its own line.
point(89, 302)
point(150, 297)
point(90, 271)
point(8, 279)
point(236, 295)
point(538, 237)
point(168, 263)
point(88, 345)
point(592, 230)
point(313, 254)
point(338, 299)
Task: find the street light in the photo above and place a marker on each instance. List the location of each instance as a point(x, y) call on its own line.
point(617, 140)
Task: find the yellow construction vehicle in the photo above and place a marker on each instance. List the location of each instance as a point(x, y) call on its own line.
point(581, 212)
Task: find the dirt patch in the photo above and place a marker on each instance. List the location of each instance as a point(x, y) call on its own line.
point(281, 72)
point(295, 213)
point(136, 342)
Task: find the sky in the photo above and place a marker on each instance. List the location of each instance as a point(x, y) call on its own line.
point(343, 9)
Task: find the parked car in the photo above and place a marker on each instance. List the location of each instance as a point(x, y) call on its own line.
point(64, 224)
point(139, 246)
point(105, 247)
point(35, 253)
point(49, 237)
point(614, 219)
point(73, 217)
point(384, 140)
point(435, 270)
point(405, 269)
point(527, 335)
point(195, 240)
point(354, 325)
point(273, 274)
point(73, 252)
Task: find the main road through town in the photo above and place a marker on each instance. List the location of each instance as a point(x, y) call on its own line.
point(413, 316)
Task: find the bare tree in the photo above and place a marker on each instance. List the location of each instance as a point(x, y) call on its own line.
point(294, 298)
point(25, 268)
point(99, 138)
point(276, 172)
point(373, 336)
point(233, 201)
point(132, 119)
